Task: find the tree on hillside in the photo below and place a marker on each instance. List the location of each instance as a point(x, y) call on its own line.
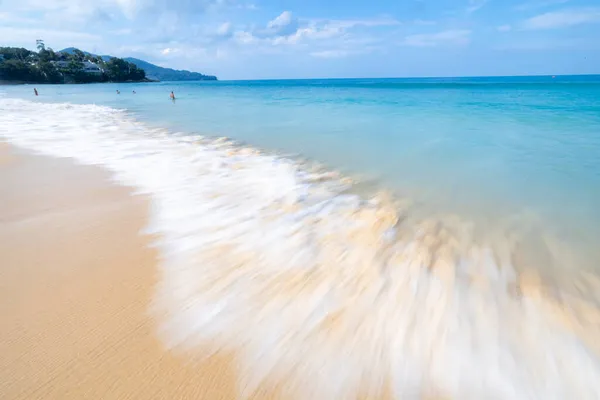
point(17, 70)
point(135, 73)
point(40, 44)
point(117, 69)
point(75, 67)
point(18, 64)
point(15, 53)
point(60, 56)
point(79, 55)
point(46, 55)
point(49, 72)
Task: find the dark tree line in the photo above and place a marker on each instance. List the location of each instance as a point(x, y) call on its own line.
point(48, 66)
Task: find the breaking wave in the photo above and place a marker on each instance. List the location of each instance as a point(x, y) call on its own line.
point(335, 294)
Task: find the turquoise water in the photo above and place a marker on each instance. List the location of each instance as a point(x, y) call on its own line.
point(491, 147)
point(476, 278)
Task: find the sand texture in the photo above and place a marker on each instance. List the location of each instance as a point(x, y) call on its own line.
point(76, 280)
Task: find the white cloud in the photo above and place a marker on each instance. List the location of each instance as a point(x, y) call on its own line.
point(539, 4)
point(283, 25)
point(289, 30)
point(562, 19)
point(75, 11)
point(157, 32)
point(424, 22)
point(27, 37)
point(40, 5)
point(12, 19)
point(310, 33)
point(504, 28)
point(352, 23)
point(245, 37)
point(475, 5)
point(284, 19)
point(450, 37)
point(330, 53)
point(342, 52)
point(130, 7)
point(224, 29)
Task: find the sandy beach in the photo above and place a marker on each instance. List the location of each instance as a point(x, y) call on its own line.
point(239, 273)
point(76, 280)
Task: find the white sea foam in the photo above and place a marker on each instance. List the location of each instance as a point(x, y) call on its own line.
point(335, 295)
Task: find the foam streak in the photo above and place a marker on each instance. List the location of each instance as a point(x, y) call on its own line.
point(335, 295)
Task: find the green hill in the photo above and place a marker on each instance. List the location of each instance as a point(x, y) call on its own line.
point(19, 65)
point(169, 74)
point(158, 73)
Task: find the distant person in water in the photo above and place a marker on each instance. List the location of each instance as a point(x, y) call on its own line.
point(134, 92)
point(172, 95)
point(35, 91)
point(118, 92)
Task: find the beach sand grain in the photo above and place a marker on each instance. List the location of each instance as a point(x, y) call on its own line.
point(76, 281)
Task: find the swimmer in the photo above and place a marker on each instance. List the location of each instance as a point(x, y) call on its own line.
point(172, 95)
point(35, 91)
point(118, 92)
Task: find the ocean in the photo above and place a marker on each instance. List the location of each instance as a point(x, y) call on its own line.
point(412, 236)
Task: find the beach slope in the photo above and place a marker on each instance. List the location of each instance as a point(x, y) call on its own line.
point(76, 280)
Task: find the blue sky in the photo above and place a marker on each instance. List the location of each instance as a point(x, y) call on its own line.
point(253, 39)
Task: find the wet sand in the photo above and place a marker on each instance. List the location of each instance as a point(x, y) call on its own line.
point(76, 282)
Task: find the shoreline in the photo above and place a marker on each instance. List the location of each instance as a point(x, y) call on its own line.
point(75, 287)
point(17, 83)
point(349, 287)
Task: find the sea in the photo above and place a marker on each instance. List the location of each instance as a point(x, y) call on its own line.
point(359, 237)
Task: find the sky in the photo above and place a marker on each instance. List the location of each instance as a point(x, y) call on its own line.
point(262, 39)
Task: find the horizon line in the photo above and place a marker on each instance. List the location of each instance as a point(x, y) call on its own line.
point(406, 77)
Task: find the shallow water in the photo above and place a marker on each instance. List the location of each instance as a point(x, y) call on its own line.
point(471, 279)
point(495, 146)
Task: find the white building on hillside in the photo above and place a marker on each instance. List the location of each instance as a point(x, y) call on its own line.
point(88, 67)
point(60, 64)
point(91, 68)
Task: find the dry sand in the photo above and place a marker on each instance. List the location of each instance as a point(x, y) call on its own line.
point(76, 281)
